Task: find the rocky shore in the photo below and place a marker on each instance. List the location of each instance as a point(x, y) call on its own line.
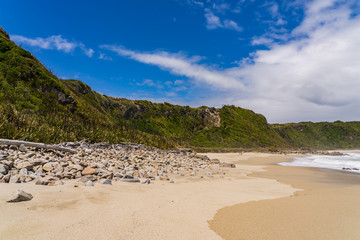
point(101, 162)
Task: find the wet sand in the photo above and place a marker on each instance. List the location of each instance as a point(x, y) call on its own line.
point(327, 208)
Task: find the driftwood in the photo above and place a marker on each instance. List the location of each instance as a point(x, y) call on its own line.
point(33, 144)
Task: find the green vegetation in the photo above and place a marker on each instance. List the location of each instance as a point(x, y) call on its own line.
point(37, 106)
point(322, 135)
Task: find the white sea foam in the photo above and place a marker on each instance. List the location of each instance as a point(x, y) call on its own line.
point(348, 161)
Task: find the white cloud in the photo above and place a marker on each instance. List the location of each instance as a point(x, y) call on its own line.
point(214, 22)
point(178, 82)
point(262, 41)
point(56, 42)
point(180, 65)
point(146, 82)
point(103, 56)
point(314, 76)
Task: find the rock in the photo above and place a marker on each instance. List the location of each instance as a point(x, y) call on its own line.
point(90, 183)
point(3, 169)
point(20, 196)
point(23, 148)
point(8, 163)
point(230, 165)
point(23, 172)
point(106, 181)
point(88, 150)
point(42, 181)
point(145, 181)
point(171, 181)
point(6, 178)
point(77, 167)
point(27, 165)
point(64, 100)
point(30, 155)
point(47, 167)
point(88, 171)
point(14, 179)
point(133, 180)
point(215, 161)
point(2, 31)
point(59, 183)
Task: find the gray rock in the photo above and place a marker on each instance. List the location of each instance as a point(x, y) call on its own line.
point(145, 181)
point(6, 178)
point(8, 163)
point(27, 165)
point(91, 184)
point(3, 169)
point(42, 181)
point(30, 155)
point(20, 196)
point(23, 172)
point(77, 167)
point(106, 181)
point(14, 179)
point(22, 148)
point(88, 150)
point(59, 183)
point(133, 180)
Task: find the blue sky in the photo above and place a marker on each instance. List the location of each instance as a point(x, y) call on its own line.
point(289, 60)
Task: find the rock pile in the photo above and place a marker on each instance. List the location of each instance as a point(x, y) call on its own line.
point(98, 162)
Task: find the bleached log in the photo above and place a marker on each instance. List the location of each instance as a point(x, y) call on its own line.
point(34, 144)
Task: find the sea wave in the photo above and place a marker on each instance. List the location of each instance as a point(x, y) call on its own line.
point(347, 162)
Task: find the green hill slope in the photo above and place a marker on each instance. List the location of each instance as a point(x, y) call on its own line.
point(37, 106)
point(322, 135)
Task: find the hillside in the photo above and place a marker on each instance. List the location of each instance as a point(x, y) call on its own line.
point(322, 135)
point(37, 106)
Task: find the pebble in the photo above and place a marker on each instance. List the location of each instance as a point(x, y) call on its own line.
point(106, 181)
point(89, 183)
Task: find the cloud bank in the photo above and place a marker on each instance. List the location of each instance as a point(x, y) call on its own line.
point(313, 74)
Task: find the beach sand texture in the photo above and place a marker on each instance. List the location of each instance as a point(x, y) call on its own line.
point(161, 210)
point(301, 203)
point(328, 208)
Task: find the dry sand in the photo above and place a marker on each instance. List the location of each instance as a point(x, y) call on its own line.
point(161, 210)
point(328, 208)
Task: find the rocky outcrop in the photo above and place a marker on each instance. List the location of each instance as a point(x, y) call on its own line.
point(65, 100)
point(2, 31)
point(210, 117)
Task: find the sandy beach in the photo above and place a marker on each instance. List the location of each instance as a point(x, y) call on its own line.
point(256, 200)
point(327, 208)
point(161, 210)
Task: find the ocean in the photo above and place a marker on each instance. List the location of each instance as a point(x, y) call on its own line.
point(346, 162)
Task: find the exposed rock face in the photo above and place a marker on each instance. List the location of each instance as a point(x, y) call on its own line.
point(21, 196)
point(62, 99)
point(2, 31)
point(210, 117)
